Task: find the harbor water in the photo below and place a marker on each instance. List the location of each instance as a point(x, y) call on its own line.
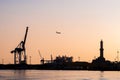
point(58, 75)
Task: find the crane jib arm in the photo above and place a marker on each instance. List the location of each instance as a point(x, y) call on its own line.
point(25, 36)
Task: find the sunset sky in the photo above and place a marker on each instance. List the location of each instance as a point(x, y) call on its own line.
point(82, 23)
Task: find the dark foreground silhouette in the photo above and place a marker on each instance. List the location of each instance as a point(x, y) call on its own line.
point(66, 63)
point(107, 66)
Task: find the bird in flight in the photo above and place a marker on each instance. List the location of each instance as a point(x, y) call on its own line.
point(58, 32)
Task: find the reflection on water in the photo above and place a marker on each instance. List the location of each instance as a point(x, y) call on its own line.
point(58, 75)
point(102, 76)
point(19, 74)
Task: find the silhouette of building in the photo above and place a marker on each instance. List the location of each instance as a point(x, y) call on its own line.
point(101, 58)
point(63, 59)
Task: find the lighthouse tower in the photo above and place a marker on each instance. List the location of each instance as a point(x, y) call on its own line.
point(101, 49)
point(101, 58)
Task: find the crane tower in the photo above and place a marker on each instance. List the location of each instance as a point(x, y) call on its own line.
point(20, 51)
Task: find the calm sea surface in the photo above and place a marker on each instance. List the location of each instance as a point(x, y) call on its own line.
point(58, 75)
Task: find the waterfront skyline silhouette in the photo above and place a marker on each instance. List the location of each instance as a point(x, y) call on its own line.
point(82, 25)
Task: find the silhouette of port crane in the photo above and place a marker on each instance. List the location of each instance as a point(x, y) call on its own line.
point(41, 58)
point(43, 61)
point(20, 51)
